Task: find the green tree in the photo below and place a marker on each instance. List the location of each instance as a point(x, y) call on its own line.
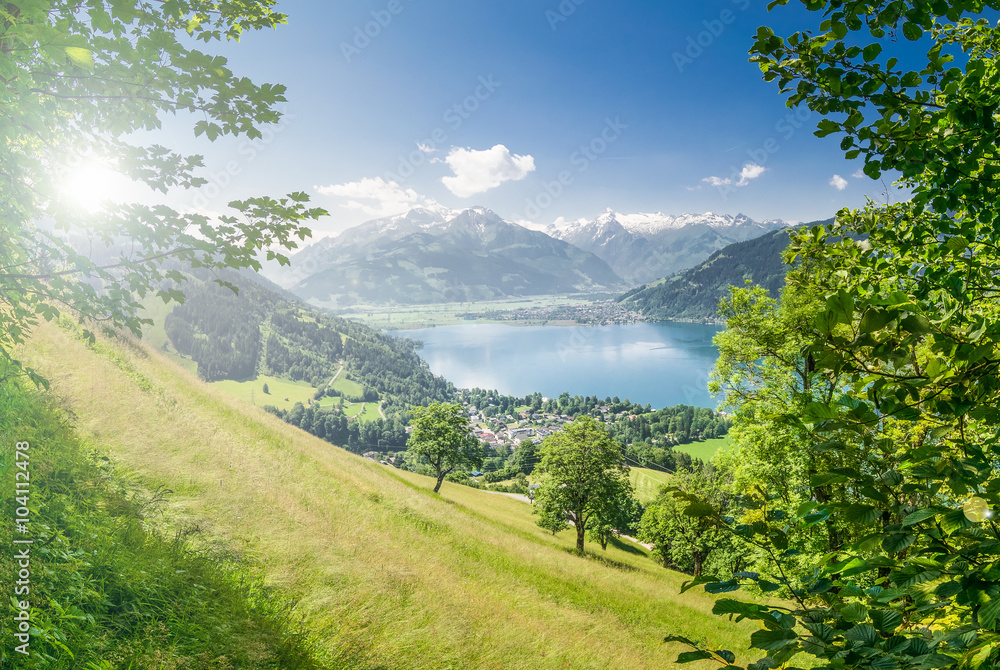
point(766, 374)
point(524, 457)
point(910, 326)
point(80, 78)
point(680, 540)
point(551, 518)
point(583, 476)
point(613, 519)
point(268, 392)
point(441, 435)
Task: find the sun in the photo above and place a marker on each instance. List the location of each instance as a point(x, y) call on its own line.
point(91, 185)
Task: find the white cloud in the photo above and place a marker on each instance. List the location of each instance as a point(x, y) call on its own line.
point(838, 182)
point(859, 173)
point(377, 197)
point(479, 171)
point(426, 148)
point(749, 172)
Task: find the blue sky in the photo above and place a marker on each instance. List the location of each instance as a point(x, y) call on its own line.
point(537, 109)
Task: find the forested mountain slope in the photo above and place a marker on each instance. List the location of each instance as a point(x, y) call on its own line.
point(693, 294)
point(260, 332)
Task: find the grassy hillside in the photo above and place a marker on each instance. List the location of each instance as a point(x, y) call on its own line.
point(647, 483)
point(388, 574)
point(106, 588)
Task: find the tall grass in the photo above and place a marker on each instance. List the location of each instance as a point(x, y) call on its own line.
point(107, 590)
point(387, 574)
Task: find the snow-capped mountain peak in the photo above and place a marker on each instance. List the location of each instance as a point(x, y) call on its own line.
point(647, 245)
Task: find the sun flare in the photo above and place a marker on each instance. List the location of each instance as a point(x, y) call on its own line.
point(92, 185)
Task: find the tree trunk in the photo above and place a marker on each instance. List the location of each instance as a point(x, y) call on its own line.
point(580, 530)
point(437, 487)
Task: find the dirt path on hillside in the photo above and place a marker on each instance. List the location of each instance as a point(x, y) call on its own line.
point(334, 377)
point(515, 496)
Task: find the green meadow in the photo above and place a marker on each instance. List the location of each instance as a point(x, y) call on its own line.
point(706, 449)
point(282, 393)
point(647, 483)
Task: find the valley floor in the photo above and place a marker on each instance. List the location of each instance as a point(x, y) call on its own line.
point(533, 311)
point(388, 574)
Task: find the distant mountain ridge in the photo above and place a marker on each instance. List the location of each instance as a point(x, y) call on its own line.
point(694, 294)
point(645, 246)
point(437, 255)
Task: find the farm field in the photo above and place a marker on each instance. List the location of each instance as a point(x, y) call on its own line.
point(362, 411)
point(447, 314)
point(706, 449)
point(347, 386)
point(388, 574)
point(647, 483)
point(282, 393)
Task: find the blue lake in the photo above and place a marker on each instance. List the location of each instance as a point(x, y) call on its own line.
point(662, 364)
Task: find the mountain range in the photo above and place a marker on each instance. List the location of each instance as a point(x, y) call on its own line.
point(433, 255)
point(644, 247)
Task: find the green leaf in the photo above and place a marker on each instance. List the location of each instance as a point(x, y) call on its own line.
point(731, 606)
point(841, 306)
point(884, 663)
point(80, 57)
point(957, 243)
point(871, 52)
point(861, 513)
point(912, 31)
point(920, 515)
point(875, 319)
point(916, 323)
point(854, 612)
point(771, 640)
point(828, 478)
point(826, 127)
point(681, 639)
point(989, 612)
point(817, 411)
point(699, 509)
point(897, 542)
point(863, 633)
point(723, 587)
point(886, 621)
